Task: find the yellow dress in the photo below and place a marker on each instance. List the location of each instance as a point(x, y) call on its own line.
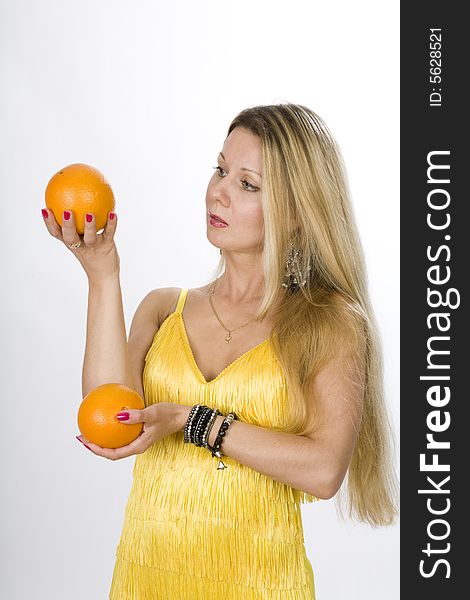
point(195, 532)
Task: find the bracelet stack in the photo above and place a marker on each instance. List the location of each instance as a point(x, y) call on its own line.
point(200, 421)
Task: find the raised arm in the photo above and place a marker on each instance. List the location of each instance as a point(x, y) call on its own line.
point(106, 357)
point(109, 357)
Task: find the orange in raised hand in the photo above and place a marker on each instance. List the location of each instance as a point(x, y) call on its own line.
point(80, 188)
point(97, 415)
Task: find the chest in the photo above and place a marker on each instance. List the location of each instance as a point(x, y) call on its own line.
point(252, 384)
point(213, 351)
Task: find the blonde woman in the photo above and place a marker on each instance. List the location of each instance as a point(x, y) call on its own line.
point(263, 388)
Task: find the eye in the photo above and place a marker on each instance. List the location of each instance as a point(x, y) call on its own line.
point(219, 169)
point(252, 187)
point(246, 184)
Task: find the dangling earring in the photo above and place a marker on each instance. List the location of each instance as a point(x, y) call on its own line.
point(220, 250)
point(293, 277)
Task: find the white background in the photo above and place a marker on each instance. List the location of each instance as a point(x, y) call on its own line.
point(145, 91)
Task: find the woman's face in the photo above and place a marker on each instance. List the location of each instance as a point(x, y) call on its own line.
point(234, 194)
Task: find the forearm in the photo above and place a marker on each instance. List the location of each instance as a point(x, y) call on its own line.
point(285, 457)
point(106, 354)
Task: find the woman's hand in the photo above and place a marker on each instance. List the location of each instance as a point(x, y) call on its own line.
point(159, 420)
point(97, 253)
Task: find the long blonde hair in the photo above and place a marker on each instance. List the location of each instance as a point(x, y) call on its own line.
point(306, 201)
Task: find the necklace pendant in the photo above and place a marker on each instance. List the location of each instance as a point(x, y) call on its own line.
point(221, 465)
point(228, 337)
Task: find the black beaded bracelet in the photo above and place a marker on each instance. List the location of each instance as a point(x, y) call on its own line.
point(190, 422)
point(198, 426)
point(198, 415)
point(205, 437)
point(216, 448)
point(201, 426)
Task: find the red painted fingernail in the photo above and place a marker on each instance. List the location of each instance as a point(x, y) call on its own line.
point(111, 215)
point(86, 446)
point(45, 214)
point(123, 416)
point(66, 215)
point(89, 218)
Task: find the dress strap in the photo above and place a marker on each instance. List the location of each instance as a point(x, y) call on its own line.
point(181, 300)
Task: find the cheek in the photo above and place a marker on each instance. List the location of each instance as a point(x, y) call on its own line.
point(250, 217)
point(257, 214)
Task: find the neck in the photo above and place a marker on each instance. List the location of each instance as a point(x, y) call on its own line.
point(242, 280)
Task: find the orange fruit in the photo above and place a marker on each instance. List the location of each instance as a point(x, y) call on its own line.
point(97, 415)
point(80, 188)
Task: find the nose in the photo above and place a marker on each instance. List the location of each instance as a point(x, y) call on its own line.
point(219, 192)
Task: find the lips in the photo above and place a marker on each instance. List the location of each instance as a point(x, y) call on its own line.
point(217, 218)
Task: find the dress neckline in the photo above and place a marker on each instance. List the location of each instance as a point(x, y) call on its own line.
point(192, 360)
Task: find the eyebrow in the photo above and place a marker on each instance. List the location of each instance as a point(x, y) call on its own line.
point(242, 168)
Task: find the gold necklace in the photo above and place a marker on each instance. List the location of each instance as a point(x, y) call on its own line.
point(228, 337)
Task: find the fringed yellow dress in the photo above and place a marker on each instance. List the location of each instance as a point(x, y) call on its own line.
point(191, 531)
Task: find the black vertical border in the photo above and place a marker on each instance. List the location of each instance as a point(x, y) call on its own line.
point(425, 129)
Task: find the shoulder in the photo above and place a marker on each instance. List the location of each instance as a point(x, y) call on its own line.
point(161, 302)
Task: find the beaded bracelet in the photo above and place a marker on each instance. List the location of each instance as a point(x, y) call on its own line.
point(199, 424)
point(189, 422)
point(200, 430)
point(216, 448)
point(210, 424)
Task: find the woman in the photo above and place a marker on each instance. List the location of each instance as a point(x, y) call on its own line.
point(263, 388)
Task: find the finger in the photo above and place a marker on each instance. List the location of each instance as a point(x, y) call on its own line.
point(89, 235)
point(98, 450)
point(52, 226)
point(130, 416)
point(84, 441)
point(69, 229)
point(110, 227)
point(138, 446)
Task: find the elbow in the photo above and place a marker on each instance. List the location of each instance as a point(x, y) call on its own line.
point(329, 492)
point(323, 493)
point(325, 489)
